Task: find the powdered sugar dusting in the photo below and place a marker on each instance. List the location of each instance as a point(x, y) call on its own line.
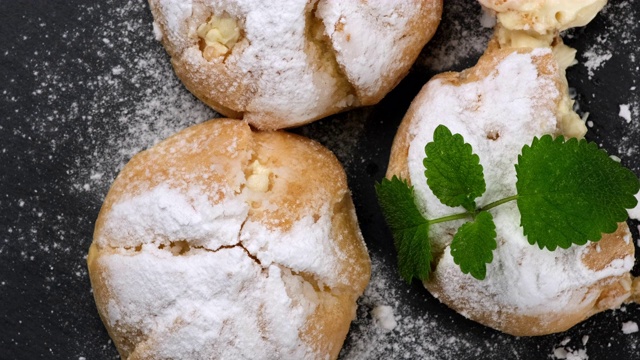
point(372, 37)
point(601, 54)
point(464, 43)
point(205, 279)
point(307, 247)
point(596, 57)
point(506, 103)
point(296, 60)
point(164, 214)
point(191, 298)
point(76, 111)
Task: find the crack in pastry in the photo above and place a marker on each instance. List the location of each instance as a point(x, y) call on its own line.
point(319, 47)
point(222, 242)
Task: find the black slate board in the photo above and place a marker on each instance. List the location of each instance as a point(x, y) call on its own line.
point(72, 78)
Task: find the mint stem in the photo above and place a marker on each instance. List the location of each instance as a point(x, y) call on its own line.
point(467, 214)
point(499, 202)
point(450, 218)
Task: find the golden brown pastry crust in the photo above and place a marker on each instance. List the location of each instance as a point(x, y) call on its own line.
point(306, 178)
point(607, 293)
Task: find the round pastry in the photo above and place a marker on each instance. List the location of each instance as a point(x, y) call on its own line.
point(498, 106)
point(224, 243)
point(279, 64)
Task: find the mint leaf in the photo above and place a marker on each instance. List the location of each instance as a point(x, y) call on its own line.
point(453, 171)
point(472, 246)
point(571, 192)
point(409, 228)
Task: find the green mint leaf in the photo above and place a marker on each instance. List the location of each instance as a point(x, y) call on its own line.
point(453, 171)
point(472, 246)
point(570, 192)
point(409, 228)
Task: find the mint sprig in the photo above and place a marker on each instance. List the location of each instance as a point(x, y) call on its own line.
point(410, 230)
point(452, 170)
point(568, 192)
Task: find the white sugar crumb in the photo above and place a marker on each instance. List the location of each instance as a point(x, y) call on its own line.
point(629, 327)
point(157, 32)
point(635, 212)
point(117, 70)
point(595, 57)
point(487, 19)
point(567, 352)
point(625, 112)
point(383, 317)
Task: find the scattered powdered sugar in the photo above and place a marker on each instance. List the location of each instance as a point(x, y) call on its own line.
point(415, 335)
point(125, 99)
point(596, 57)
point(621, 19)
point(629, 327)
point(341, 133)
point(585, 340)
point(419, 333)
point(628, 145)
point(619, 26)
point(159, 108)
point(464, 43)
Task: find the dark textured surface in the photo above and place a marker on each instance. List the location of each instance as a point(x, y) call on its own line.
point(65, 130)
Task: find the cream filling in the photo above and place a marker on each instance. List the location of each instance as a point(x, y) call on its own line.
point(546, 16)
